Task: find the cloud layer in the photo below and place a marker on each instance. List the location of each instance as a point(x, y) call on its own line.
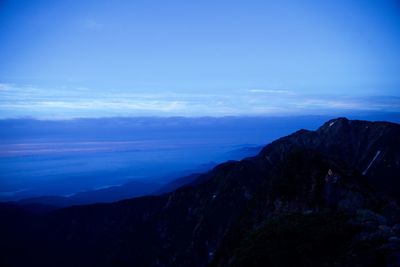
point(63, 102)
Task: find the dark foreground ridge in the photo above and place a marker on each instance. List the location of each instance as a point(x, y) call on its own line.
point(314, 198)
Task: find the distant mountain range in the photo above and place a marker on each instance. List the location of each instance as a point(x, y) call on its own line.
point(328, 197)
point(135, 188)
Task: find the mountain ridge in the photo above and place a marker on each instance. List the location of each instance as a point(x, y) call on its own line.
point(310, 176)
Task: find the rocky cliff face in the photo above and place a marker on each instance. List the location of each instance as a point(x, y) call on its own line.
point(314, 198)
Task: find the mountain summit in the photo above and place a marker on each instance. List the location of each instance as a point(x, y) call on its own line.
point(314, 198)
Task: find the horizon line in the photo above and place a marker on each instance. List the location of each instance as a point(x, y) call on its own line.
point(271, 115)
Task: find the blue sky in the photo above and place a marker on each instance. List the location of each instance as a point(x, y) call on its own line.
point(61, 59)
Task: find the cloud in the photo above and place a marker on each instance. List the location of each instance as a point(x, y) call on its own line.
point(350, 103)
point(62, 102)
point(5, 86)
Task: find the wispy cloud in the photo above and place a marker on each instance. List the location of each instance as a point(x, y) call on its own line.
point(22, 101)
point(350, 103)
point(5, 86)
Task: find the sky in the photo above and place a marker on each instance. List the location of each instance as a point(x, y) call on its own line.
point(67, 59)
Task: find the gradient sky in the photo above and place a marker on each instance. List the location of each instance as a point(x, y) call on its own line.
point(62, 59)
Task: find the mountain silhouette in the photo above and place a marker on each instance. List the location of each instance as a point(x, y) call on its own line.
point(314, 198)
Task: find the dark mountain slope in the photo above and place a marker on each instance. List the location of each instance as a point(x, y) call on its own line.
point(106, 195)
point(371, 148)
point(303, 192)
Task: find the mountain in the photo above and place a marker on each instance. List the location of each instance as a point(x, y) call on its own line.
point(314, 198)
point(110, 194)
point(177, 183)
point(135, 188)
